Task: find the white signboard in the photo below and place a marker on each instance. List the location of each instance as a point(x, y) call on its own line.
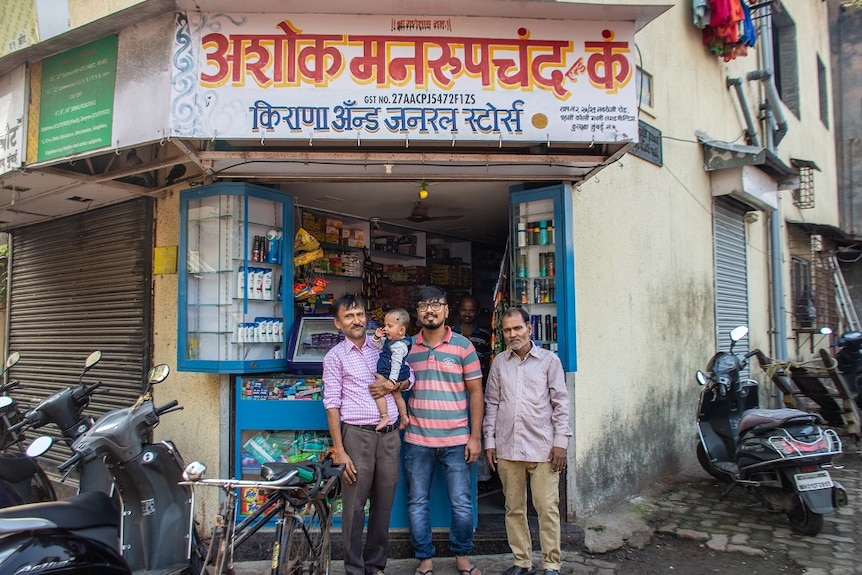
point(12, 113)
point(391, 78)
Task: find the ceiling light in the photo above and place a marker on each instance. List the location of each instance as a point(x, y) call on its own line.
point(423, 190)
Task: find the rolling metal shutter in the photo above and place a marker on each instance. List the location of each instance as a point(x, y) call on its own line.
point(80, 284)
point(731, 271)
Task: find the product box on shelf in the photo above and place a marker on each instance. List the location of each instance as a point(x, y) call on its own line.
point(288, 388)
point(290, 446)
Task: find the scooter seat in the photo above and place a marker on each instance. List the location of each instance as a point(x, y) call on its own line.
point(94, 509)
point(767, 419)
point(16, 467)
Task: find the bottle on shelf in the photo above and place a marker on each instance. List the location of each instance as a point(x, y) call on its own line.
point(543, 233)
point(522, 234)
point(522, 265)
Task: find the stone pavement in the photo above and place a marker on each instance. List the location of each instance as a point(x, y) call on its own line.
point(688, 507)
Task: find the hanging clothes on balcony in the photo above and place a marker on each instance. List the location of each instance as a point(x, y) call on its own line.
point(728, 30)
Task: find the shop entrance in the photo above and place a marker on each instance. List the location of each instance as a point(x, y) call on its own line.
point(451, 234)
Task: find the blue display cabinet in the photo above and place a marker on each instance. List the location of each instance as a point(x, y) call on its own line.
point(542, 278)
point(235, 279)
point(280, 417)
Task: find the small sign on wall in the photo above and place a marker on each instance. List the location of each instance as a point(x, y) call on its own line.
point(649, 144)
point(165, 260)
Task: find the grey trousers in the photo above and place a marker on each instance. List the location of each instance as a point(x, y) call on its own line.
point(376, 457)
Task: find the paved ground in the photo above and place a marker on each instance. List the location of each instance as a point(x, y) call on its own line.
point(688, 509)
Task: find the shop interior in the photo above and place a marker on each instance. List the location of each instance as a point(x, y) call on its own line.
point(451, 234)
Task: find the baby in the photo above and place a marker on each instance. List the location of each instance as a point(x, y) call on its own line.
point(394, 346)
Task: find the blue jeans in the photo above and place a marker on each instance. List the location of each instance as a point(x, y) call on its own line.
point(419, 464)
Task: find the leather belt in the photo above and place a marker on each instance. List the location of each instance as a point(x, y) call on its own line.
point(386, 429)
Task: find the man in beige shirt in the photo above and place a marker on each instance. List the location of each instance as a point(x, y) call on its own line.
point(527, 431)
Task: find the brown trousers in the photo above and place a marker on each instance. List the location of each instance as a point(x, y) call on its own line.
point(376, 457)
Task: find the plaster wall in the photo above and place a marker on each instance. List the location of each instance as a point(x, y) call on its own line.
point(644, 260)
point(85, 11)
point(142, 99)
point(198, 430)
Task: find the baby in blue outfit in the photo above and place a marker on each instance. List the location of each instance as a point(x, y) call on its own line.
point(394, 345)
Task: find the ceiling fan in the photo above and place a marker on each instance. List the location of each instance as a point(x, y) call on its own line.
point(420, 214)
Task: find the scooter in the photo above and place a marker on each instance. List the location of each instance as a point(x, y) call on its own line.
point(849, 358)
point(781, 456)
point(22, 479)
point(65, 409)
point(152, 532)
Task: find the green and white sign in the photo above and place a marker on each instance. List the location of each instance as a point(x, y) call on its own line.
point(77, 99)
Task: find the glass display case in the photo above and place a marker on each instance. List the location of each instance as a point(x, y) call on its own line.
point(542, 276)
point(310, 339)
point(234, 239)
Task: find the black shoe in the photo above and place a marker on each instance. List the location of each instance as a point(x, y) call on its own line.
point(516, 570)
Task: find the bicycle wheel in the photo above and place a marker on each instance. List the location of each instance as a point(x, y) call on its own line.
point(305, 543)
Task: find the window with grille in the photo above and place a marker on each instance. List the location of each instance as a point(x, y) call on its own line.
point(813, 292)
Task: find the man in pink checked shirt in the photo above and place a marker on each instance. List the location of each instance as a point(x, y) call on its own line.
point(371, 456)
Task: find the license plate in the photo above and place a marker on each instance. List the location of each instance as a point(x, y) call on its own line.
point(812, 481)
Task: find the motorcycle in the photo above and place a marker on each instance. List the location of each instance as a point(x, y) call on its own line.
point(781, 456)
point(153, 531)
point(22, 479)
point(849, 358)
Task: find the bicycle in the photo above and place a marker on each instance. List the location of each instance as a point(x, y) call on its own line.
point(298, 497)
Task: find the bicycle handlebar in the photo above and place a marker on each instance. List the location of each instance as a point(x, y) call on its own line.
point(323, 470)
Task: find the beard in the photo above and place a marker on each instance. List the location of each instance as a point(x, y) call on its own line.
point(432, 323)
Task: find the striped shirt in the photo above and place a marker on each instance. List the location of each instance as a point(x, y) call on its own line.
point(347, 372)
point(439, 401)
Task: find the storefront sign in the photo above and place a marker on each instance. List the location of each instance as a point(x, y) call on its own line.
point(77, 99)
point(12, 108)
point(649, 144)
point(391, 78)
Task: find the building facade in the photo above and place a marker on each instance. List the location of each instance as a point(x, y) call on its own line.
point(702, 221)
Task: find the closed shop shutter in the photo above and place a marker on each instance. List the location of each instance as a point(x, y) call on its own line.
point(80, 284)
point(731, 271)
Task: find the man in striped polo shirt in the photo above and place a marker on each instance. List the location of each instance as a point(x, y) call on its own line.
point(446, 408)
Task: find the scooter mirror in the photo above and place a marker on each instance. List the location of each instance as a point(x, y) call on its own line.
point(826, 330)
point(701, 377)
point(738, 332)
point(39, 446)
point(6, 401)
point(12, 359)
point(158, 373)
point(194, 471)
point(92, 359)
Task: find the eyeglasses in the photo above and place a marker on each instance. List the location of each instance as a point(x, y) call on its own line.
point(433, 306)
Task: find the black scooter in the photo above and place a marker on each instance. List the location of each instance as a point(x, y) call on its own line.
point(22, 479)
point(849, 358)
point(153, 532)
point(781, 456)
point(65, 409)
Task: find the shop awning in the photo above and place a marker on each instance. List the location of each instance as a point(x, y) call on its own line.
point(86, 181)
